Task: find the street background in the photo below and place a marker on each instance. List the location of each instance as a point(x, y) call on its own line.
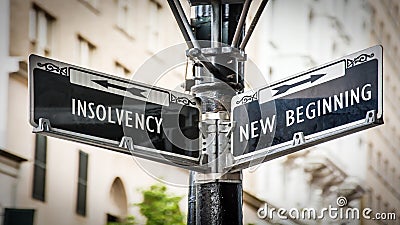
point(118, 36)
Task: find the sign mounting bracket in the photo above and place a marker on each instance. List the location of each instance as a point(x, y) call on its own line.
point(127, 143)
point(298, 139)
point(371, 116)
point(43, 126)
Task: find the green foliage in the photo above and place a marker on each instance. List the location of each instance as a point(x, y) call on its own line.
point(130, 220)
point(160, 208)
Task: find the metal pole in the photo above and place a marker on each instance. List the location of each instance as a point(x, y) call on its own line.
point(218, 195)
point(190, 39)
point(253, 24)
point(240, 25)
point(220, 202)
point(216, 24)
point(191, 218)
point(183, 23)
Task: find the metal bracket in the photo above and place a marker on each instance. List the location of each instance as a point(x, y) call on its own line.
point(205, 124)
point(230, 159)
point(215, 116)
point(230, 129)
point(215, 126)
point(202, 178)
point(203, 129)
point(200, 53)
point(298, 138)
point(370, 117)
point(225, 127)
point(203, 158)
point(43, 126)
point(127, 143)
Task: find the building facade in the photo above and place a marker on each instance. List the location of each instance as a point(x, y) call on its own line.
point(295, 36)
point(52, 181)
point(45, 180)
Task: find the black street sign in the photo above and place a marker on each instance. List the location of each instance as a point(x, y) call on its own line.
point(324, 103)
point(78, 104)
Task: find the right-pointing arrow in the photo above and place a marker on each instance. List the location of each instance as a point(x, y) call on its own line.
point(314, 78)
point(284, 88)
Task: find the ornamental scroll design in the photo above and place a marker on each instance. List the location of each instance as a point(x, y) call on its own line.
point(359, 59)
point(247, 98)
point(53, 68)
point(182, 100)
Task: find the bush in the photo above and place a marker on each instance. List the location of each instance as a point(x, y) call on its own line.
point(160, 208)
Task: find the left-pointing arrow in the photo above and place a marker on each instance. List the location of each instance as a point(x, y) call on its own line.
point(132, 90)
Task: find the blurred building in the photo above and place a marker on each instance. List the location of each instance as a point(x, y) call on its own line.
point(295, 36)
point(45, 180)
point(51, 181)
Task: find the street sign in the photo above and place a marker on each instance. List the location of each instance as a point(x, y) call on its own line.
point(324, 103)
point(78, 104)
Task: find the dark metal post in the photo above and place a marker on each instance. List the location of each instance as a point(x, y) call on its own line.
point(240, 26)
point(218, 72)
point(183, 24)
point(219, 194)
point(215, 23)
point(253, 24)
point(191, 218)
point(220, 201)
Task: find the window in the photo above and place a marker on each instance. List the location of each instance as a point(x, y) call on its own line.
point(121, 70)
point(386, 207)
point(381, 28)
point(393, 177)
point(378, 162)
point(371, 198)
point(370, 156)
point(125, 18)
point(117, 201)
point(378, 203)
point(40, 30)
point(39, 170)
point(82, 184)
point(153, 16)
point(85, 52)
point(388, 39)
point(112, 219)
point(385, 168)
point(18, 216)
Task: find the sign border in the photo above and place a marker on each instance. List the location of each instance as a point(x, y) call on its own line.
point(62, 69)
point(272, 152)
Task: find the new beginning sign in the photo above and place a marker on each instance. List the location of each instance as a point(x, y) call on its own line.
point(324, 103)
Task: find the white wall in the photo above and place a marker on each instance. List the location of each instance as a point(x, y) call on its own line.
point(8, 65)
